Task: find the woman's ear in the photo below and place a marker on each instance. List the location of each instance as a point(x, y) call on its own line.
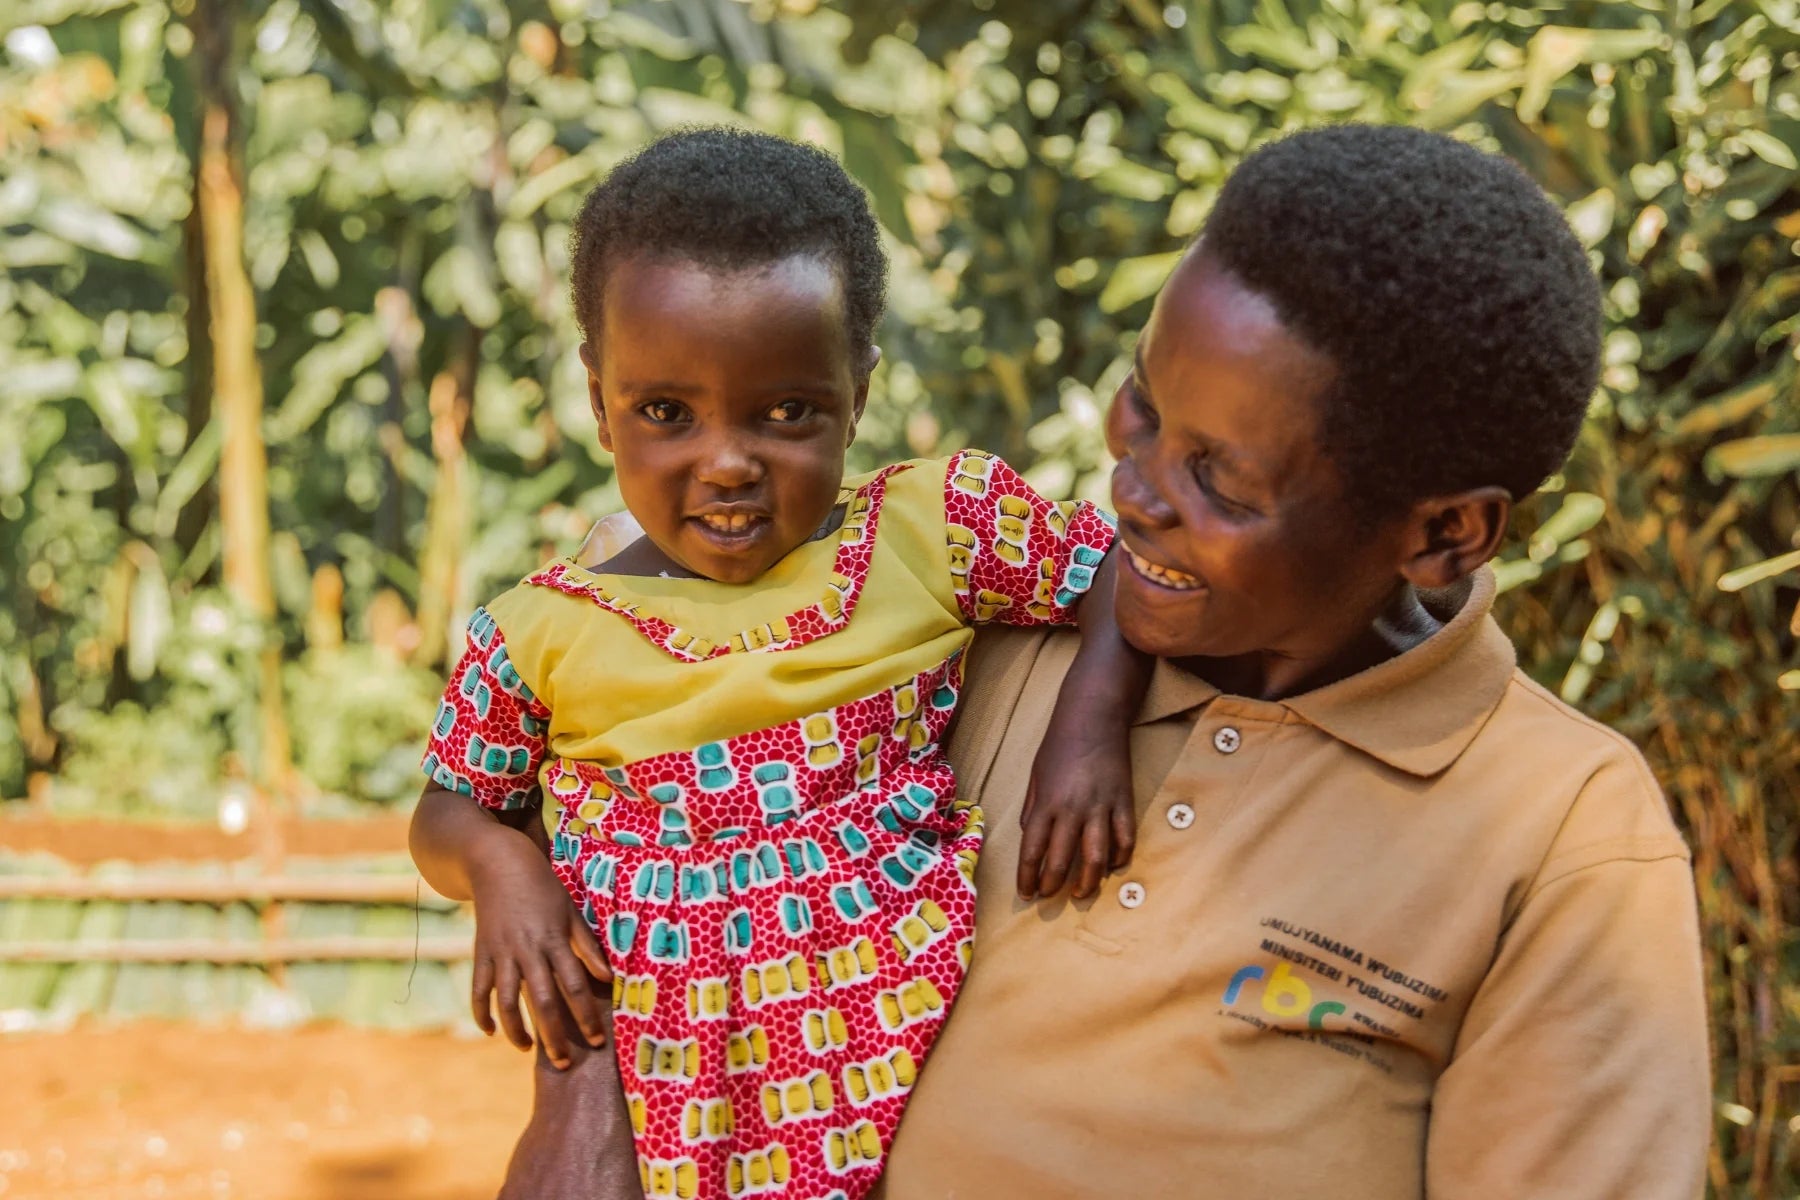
point(1455, 534)
point(862, 392)
point(591, 361)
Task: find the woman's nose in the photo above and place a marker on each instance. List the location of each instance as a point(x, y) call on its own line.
point(1137, 500)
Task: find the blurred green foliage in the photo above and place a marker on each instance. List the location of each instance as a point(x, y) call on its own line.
point(411, 168)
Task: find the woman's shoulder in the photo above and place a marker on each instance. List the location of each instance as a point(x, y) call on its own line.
point(1610, 805)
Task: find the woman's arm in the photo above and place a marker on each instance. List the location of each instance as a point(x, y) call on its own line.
point(1580, 1068)
point(578, 1144)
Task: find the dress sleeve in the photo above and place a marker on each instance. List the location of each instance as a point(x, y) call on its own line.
point(490, 732)
point(1015, 557)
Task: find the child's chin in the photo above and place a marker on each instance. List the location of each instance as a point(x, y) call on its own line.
point(733, 565)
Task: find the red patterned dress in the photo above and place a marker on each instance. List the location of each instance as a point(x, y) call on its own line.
point(750, 805)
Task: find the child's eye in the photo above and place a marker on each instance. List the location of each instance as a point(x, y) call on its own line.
point(662, 412)
point(789, 411)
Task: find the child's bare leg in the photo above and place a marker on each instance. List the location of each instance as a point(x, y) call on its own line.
point(578, 1143)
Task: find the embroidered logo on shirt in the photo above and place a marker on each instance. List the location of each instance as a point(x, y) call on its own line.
point(1321, 989)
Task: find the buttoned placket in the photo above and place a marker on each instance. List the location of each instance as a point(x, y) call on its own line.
point(1203, 786)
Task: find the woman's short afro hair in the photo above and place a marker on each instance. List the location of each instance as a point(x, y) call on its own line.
point(730, 199)
point(1459, 307)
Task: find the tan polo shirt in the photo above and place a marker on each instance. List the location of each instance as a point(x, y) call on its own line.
point(1426, 932)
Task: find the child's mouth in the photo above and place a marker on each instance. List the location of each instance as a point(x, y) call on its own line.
point(731, 530)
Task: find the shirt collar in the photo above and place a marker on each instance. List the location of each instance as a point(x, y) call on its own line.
point(1416, 712)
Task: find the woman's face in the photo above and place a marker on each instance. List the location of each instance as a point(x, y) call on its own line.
point(1240, 536)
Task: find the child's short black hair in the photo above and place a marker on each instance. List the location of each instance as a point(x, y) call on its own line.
point(729, 199)
point(1459, 307)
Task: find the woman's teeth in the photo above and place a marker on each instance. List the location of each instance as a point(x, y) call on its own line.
point(728, 522)
point(1180, 581)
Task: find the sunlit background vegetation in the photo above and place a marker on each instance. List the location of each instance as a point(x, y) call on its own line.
point(288, 378)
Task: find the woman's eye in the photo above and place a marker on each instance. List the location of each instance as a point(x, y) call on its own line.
point(663, 412)
point(1142, 403)
point(1203, 478)
point(789, 411)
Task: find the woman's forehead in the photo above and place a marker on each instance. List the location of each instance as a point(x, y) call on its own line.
point(1223, 368)
point(1206, 311)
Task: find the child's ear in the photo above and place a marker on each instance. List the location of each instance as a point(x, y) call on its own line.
point(591, 361)
point(862, 391)
point(1453, 535)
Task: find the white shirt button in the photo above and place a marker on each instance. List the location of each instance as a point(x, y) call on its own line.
point(1227, 740)
point(1180, 815)
point(1131, 894)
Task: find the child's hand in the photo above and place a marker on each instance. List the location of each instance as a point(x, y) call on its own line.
point(528, 933)
point(1078, 818)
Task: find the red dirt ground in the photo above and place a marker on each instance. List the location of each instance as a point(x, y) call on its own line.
point(173, 1112)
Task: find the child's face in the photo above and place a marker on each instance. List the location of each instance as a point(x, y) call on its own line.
point(727, 399)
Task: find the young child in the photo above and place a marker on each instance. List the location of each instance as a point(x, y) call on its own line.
point(734, 722)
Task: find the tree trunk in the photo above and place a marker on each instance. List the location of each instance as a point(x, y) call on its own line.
point(237, 389)
point(447, 511)
point(197, 513)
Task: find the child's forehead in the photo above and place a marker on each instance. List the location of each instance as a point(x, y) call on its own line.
point(666, 320)
point(799, 294)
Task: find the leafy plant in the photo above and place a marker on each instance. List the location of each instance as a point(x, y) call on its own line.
point(407, 173)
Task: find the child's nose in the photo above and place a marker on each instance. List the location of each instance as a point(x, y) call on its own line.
point(727, 462)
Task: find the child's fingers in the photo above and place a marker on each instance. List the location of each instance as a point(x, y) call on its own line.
point(506, 1002)
point(480, 986)
point(1031, 856)
point(1124, 834)
point(1096, 850)
point(547, 1011)
point(583, 1005)
point(1060, 857)
point(1030, 801)
point(587, 948)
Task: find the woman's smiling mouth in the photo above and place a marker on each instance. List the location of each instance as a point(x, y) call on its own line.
point(1168, 577)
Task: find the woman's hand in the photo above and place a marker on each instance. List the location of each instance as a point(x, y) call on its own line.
point(529, 935)
point(1078, 817)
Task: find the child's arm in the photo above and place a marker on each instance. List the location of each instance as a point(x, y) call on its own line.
point(487, 742)
point(527, 932)
point(1079, 819)
point(1020, 559)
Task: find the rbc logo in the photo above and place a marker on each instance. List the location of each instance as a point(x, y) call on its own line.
point(1283, 994)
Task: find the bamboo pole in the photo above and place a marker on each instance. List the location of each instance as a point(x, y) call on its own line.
point(272, 952)
point(320, 889)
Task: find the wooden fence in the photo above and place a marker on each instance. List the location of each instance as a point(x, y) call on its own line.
point(122, 919)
